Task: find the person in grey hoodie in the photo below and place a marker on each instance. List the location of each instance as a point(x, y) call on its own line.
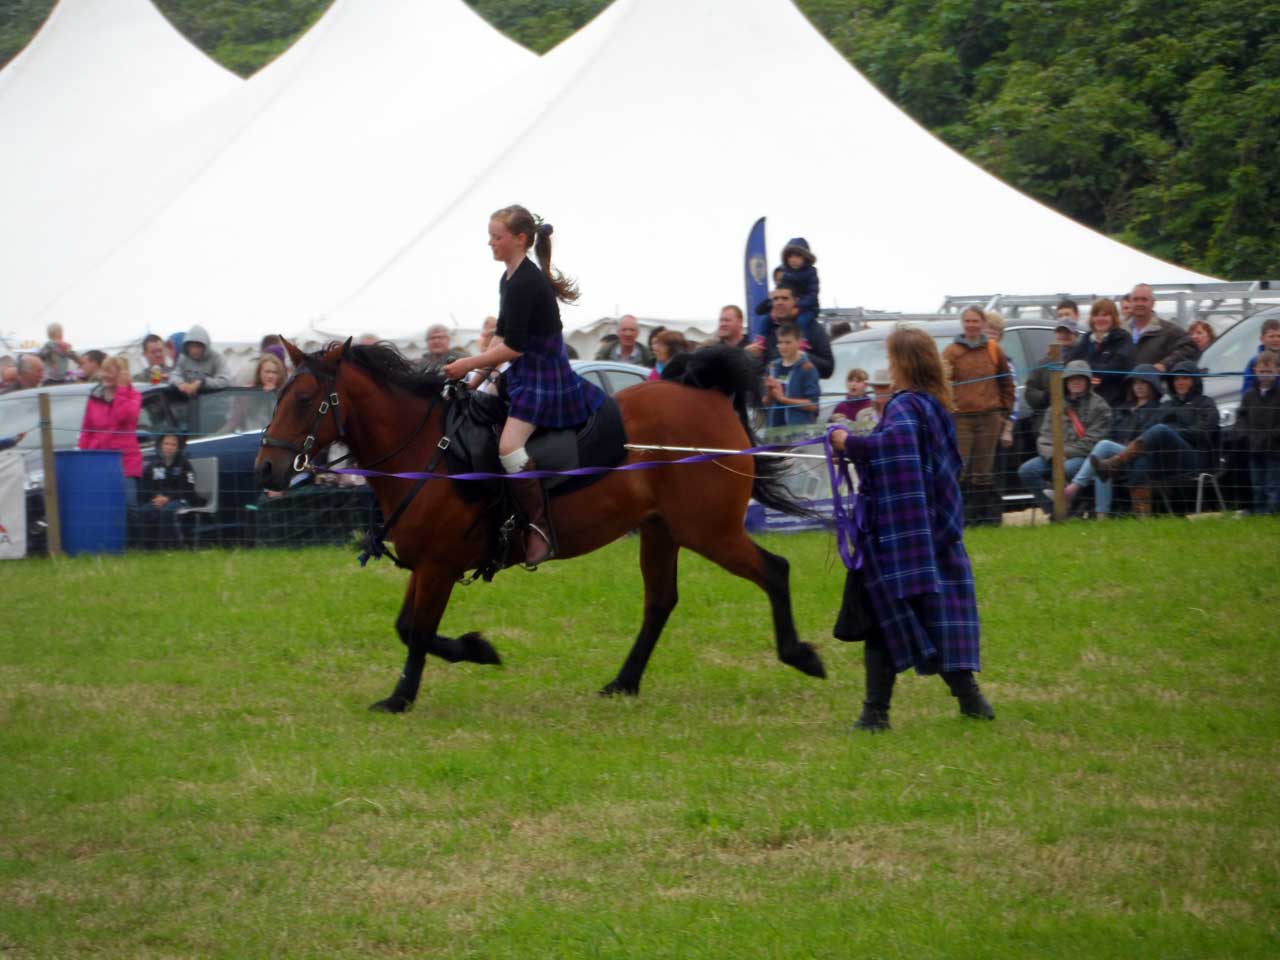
point(200, 368)
point(1086, 420)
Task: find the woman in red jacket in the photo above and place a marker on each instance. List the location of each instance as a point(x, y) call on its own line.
point(111, 422)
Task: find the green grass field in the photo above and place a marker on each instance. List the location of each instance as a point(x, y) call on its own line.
point(189, 769)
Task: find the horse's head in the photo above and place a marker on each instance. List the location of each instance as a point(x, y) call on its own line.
point(307, 417)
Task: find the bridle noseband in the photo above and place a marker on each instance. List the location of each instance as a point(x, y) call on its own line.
point(328, 404)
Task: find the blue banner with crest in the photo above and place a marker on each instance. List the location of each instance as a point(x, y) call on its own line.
point(756, 269)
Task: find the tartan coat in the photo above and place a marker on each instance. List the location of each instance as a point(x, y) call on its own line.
point(915, 567)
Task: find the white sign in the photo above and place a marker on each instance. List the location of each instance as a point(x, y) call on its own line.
point(13, 506)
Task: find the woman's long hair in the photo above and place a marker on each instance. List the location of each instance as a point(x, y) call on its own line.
point(916, 364)
point(518, 220)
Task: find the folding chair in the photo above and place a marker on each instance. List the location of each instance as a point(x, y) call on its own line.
point(206, 471)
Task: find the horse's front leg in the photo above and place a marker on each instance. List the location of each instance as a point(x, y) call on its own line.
point(658, 554)
point(424, 604)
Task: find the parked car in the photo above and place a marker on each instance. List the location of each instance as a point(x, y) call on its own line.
point(1024, 343)
point(225, 425)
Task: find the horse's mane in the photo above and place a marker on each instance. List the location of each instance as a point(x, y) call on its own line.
point(389, 365)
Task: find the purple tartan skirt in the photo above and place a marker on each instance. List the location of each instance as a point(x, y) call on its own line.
point(545, 391)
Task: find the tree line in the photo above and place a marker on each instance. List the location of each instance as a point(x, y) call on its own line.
point(1156, 122)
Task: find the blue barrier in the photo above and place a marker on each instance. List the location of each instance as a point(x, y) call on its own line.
point(91, 501)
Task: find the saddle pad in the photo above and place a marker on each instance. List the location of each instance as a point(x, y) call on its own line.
point(473, 423)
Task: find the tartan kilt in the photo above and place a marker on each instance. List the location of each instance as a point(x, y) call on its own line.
point(544, 390)
point(933, 632)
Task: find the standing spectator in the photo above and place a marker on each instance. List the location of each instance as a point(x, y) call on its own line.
point(994, 329)
point(1258, 427)
point(1161, 343)
point(486, 334)
point(155, 365)
point(1126, 310)
point(1037, 391)
point(8, 372)
point(627, 348)
point(111, 422)
point(783, 310)
point(1268, 339)
point(729, 328)
point(984, 398)
point(1108, 350)
point(667, 344)
point(1141, 411)
point(791, 387)
point(7, 443)
point(90, 364)
point(1086, 418)
point(1185, 441)
point(57, 356)
point(200, 368)
point(28, 374)
point(1202, 335)
point(173, 346)
point(440, 350)
point(167, 485)
point(912, 599)
point(649, 339)
point(273, 345)
point(881, 390)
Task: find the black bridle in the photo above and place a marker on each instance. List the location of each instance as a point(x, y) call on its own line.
point(328, 404)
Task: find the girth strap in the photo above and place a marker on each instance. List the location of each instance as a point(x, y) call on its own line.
point(374, 545)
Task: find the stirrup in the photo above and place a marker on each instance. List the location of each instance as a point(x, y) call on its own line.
point(532, 529)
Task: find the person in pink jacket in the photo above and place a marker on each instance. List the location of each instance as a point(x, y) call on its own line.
point(111, 422)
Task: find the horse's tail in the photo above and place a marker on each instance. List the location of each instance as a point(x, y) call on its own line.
point(731, 371)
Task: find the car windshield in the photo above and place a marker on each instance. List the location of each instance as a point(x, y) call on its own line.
point(235, 410)
point(1231, 352)
point(20, 413)
point(869, 355)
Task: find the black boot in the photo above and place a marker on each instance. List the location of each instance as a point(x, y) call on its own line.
point(965, 689)
point(539, 539)
point(880, 680)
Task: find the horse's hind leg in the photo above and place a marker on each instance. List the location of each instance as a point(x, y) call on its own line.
point(424, 604)
point(658, 553)
point(738, 554)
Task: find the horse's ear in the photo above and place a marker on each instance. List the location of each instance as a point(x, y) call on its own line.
point(295, 355)
point(346, 347)
point(334, 354)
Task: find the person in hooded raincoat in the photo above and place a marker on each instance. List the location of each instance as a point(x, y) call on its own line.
point(910, 595)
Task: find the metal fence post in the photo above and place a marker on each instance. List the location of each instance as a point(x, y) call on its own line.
point(53, 521)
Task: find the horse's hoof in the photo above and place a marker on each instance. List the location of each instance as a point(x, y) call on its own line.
point(805, 659)
point(393, 704)
point(476, 649)
point(616, 689)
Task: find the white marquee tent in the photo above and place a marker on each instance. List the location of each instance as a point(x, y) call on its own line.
point(311, 184)
point(355, 195)
point(100, 81)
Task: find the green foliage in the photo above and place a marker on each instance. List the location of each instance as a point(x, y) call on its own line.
point(1157, 122)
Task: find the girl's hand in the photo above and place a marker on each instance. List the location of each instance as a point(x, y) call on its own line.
point(458, 369)
point(838, 438)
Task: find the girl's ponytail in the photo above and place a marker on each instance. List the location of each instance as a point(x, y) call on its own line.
point(518, 219)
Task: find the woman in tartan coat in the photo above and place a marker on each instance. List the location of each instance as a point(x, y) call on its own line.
point(543, 389)
point(910, 596)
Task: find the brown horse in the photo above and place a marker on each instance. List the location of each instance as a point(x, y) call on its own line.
point(391, 415)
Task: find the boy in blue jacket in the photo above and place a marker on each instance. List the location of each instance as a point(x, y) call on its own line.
point(791, 388)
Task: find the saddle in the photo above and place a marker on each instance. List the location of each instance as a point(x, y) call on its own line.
point(473, 422)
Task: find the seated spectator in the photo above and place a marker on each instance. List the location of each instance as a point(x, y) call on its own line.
point(168, 484)
point(91, 364)
point(791, 386)
point(784, 311)
point(111, 422)
point(7, 443)
point(1086, 418)
point(839, 328)
point(28, 373)
point(667, 344)
point(1184, 442)
point(1108, 350)
point(1268, 339)
point(155, 361)
point(1142, 409)
point(1037, 390)
point(1159, 342)
point(57, 356)
point(250, 412)
point(200, 368)
point(798, 272)
point(627, 347)
point(1202, 335)
point(857, 398)
point(1258, 428)
point(440, 349)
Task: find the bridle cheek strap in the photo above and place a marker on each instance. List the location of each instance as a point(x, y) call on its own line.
point(328, 405)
